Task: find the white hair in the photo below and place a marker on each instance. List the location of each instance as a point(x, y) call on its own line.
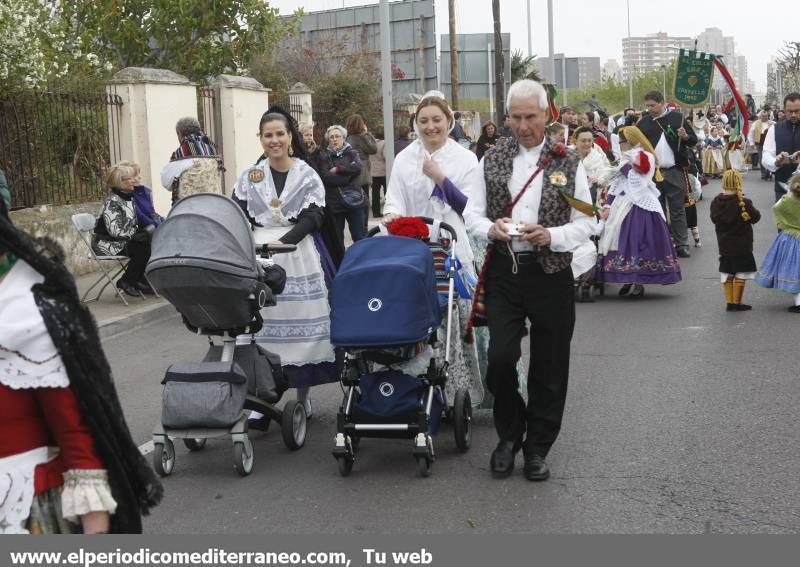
point(342, 130)
point(526, 88)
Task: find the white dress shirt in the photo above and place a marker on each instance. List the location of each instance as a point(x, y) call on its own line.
point(563, 238)
point(768, 154)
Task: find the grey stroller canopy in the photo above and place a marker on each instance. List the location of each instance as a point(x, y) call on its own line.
point(203, 261)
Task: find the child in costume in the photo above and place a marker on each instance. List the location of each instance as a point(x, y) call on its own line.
point(713, 159)
point(734, 216)
point(781, 267)
point(636, 245)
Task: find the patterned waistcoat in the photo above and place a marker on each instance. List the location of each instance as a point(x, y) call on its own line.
point(553, 209)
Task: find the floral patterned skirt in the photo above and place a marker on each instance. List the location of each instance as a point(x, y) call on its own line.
point(46, 515)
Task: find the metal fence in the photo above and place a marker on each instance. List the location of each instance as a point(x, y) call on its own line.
point(296, 110)
point(326, 116)
point(55, 144)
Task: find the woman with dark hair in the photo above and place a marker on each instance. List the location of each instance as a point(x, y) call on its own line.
point(68, 463)
point(487, 139)
point(284, 199)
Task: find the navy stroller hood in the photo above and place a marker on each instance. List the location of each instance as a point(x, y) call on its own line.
point(384, 294)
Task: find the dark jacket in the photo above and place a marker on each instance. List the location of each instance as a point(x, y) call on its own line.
point(365, 145)
point(734, 234)
point(400, 144)
point(787, 139)
point(484, 143)
point(669, 124)
point(348, 169)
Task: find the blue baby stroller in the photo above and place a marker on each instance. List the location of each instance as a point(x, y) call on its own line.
point(386, 310)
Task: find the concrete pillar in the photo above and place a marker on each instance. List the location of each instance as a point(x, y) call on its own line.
point(300, 95)
point(153, 100)
point(241, 102)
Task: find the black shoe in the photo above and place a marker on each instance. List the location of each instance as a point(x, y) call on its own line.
point(502, 461)
point(128, 289)
point(794, 309)
point(683, 253)
point(535, 468)
point(145, 288)
point(738, 307)
point(625, 290)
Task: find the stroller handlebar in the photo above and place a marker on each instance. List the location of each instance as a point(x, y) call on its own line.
point(427, 220)
point(276, 247)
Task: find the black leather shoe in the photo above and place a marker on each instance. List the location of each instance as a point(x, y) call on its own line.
point(502, 461)
point(258, 423)
point(128, 289)
point(683, 253)
point(145, 288)
point(535, 468)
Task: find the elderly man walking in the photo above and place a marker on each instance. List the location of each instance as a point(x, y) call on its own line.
point(522, 204)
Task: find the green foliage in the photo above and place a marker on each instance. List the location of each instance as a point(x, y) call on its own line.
point(614, 96)
point(523, 66)
point(197, 39)
point(342, 95)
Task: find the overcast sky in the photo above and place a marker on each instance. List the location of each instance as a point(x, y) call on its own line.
point(596, 27)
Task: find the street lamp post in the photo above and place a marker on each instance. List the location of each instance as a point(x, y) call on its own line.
point(630, 71)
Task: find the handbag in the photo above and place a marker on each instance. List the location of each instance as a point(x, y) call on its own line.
point(352, 197)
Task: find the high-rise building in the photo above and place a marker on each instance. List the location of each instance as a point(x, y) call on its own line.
point(643, 54)
point(580, 71)
point(713, 41)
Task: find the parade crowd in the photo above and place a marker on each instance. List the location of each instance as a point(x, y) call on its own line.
point(546, 212)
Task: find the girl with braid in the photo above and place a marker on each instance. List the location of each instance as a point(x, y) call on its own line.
point(734, 216)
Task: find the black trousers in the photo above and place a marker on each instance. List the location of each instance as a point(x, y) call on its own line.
point(548, 302)
point(378, 183)
point(138, 250)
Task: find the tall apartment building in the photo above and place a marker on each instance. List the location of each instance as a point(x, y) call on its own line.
point(612, 70)
point(643, 54)
point(713, 41)
point(580, 71)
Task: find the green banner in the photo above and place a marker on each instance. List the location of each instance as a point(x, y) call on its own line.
point(693, 77)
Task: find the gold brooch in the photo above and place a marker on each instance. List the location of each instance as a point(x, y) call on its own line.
point(256, 176)
point(558, 179)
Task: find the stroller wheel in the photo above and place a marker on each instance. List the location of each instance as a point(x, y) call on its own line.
point(194, 444)
point(462, 420)
point(164, 458)
point(424, 466)
point(345, 465)
point(243, 457)
point(293, 425)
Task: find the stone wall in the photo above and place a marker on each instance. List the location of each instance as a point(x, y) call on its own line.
point(56, 223)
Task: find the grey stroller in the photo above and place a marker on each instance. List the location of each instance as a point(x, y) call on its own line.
point(204, 262)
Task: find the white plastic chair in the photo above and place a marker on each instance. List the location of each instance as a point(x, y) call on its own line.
point(84, 224)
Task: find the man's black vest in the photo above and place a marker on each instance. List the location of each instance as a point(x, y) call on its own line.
point(787, 139)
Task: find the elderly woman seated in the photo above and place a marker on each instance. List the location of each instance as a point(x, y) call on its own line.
point(119, 232)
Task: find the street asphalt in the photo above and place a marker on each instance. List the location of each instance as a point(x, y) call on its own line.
point(680, 418)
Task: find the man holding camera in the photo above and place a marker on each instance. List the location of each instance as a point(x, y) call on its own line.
point(522, 203)
point(781, 152)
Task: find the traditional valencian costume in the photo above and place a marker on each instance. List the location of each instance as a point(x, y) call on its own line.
point(713, 158)
point(298, 327)
point(781, 267)
point(65, 449)
point(412, 193)
point(636, 244)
